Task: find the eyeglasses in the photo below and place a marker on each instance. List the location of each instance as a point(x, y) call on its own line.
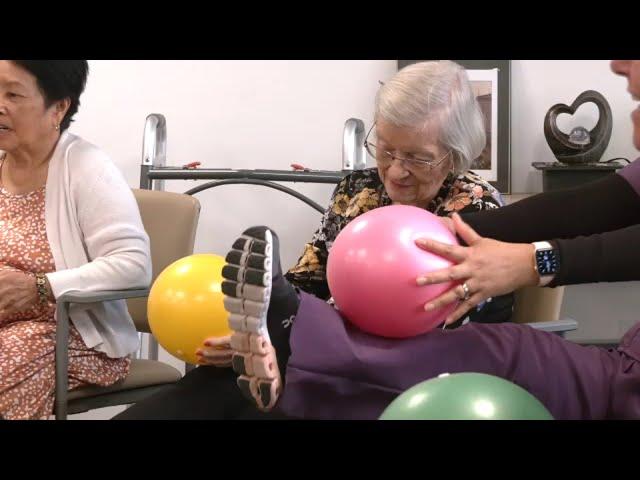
point(385, 158)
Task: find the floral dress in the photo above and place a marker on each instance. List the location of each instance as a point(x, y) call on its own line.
point(28, 338)
point(362, 191)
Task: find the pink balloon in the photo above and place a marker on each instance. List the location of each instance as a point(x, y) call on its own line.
point(373, 266)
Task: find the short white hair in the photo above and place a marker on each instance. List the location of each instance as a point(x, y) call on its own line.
point(436, 92)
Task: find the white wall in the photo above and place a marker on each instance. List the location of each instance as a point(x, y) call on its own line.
point(234, 114)
point(269, 114)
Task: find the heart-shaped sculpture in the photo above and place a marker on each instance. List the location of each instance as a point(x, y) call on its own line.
point(581, 146)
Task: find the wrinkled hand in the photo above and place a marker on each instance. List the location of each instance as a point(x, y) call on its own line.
point(488, 267)
point(18, 292)
point(215, 351)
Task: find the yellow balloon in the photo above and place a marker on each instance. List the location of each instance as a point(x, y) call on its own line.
point(185, 305)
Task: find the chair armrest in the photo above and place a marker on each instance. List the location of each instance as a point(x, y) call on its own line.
point(102, 296)
point(557, 326)
point(62, 336)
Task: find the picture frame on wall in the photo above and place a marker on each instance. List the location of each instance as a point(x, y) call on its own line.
point(491, 82)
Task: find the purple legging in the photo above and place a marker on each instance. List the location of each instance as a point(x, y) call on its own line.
point(338, 372)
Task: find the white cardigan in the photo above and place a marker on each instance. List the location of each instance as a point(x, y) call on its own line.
point(97, 240)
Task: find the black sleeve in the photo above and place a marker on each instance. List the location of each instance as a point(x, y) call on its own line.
point(601, 206)
point(606, 257)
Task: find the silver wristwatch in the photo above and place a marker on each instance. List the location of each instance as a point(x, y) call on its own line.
point(546, 261)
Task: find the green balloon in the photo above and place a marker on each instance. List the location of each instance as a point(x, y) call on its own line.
point(466, 396)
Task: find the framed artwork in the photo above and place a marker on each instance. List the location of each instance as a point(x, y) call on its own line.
point(491, 82)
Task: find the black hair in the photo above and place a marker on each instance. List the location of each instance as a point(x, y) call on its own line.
point(57, 80)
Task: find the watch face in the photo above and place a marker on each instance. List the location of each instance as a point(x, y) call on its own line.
point(547, 262)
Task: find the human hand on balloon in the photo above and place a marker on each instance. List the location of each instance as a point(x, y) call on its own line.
point(216, 352)
point(487, 267)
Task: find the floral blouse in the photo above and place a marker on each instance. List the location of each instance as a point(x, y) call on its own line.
point(362, 191)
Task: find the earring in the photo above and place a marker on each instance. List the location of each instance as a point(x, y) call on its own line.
point(57, 127)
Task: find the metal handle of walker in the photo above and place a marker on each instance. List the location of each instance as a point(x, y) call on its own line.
point(354, 156)
point(154, 144)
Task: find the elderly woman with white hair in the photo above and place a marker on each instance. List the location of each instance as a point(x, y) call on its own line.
point(428, 129)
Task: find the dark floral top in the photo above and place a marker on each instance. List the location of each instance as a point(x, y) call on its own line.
point(362, 191)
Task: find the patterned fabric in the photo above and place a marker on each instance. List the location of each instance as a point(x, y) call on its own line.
point(27, 338)
point(362, 191)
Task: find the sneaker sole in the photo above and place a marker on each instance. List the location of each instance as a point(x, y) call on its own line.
point(247, 290)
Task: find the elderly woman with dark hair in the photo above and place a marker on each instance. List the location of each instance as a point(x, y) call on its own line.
point(68, 223)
